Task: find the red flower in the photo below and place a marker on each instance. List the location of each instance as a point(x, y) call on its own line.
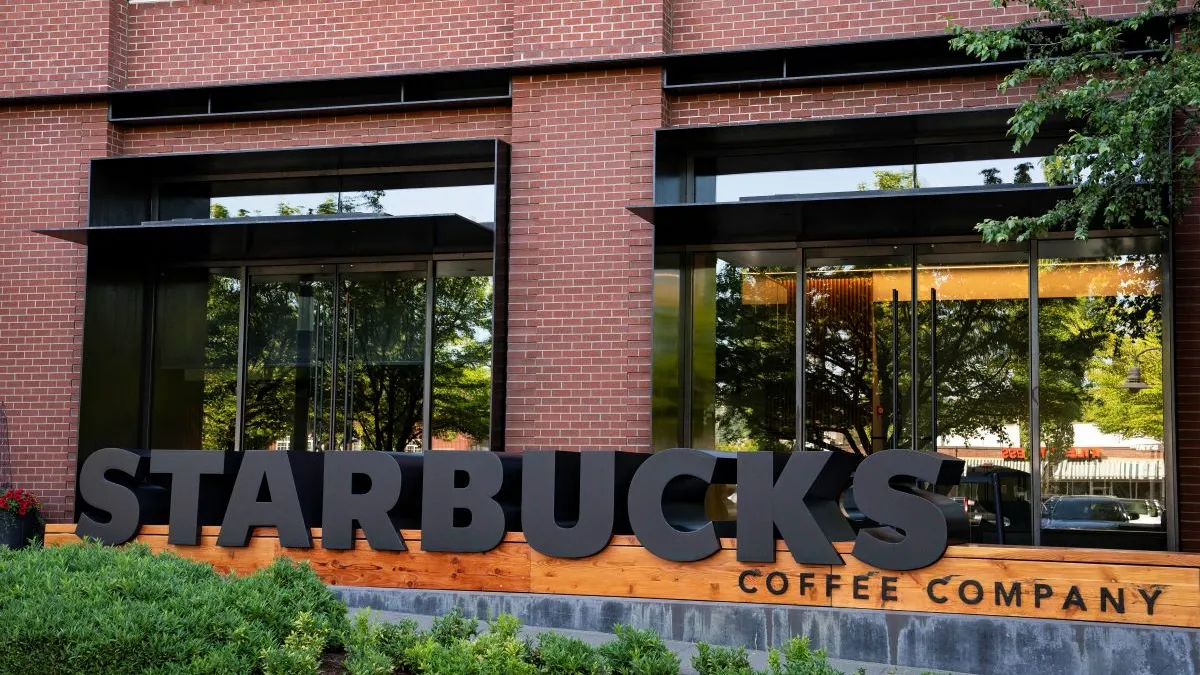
point(19, 501)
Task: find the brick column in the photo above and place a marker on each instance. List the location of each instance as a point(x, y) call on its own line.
point(1186, 347)
point(581, 264)
point(43, 184)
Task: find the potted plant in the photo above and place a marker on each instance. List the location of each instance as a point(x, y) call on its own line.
point(20, 518)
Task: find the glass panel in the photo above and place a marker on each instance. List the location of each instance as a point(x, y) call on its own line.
point(666, 390)
point(857, 340)
point(381, 371)
point(194, 401)
point(462, 356)
point(737, 186)
point(997, 171)
point(476, 202)
point(978, 334)
point(744, 303)
point(288, 362)
point(1101, 331)
point(732, 187)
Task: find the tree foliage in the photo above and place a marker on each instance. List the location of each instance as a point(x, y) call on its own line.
point(1131, 101)
point(381, 337)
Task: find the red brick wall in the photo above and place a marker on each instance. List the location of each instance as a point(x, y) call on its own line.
point(118, 44)
point(1186, 242)
point(702, 25)
point(853, 100)
point(581, 264)
point(53, 46)
point(204, 41)
point(581, 29)
point(43, 173)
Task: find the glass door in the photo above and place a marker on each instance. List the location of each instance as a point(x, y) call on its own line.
point(381, 385)
point(335, 358)
point(973, 380)
point(291, 327)
point(857, 342)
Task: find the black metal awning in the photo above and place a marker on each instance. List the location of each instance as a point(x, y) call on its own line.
point(282, 237)
point(923, 212)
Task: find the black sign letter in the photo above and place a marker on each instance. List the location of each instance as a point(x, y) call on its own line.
point(441, 497)
point(341, 506)
point(101, 493)
point(282, 511)
point(796, 493)
point(185, 468)
point(661, 534)
point(583, 484)
point(929, 520)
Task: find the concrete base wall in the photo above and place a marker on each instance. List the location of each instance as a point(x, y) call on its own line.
point(968, 644)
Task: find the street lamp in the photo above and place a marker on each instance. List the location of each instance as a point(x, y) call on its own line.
point(1133, 379)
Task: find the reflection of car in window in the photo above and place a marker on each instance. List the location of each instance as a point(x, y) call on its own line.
point(1145, 511)
point(1085, 513)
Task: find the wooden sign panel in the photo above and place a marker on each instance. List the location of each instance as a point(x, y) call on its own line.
point(1137, 587)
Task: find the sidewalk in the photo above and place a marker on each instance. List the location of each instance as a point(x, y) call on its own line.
point(685, 650)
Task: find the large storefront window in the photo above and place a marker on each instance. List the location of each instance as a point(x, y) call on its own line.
point(334, 357)
point(929, 347)
point(1101, 414)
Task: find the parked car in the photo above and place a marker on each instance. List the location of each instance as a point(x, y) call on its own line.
point(1085, 512)
point(1146, 512)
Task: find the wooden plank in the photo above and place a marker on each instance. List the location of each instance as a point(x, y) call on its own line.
point(1136, 594)
point(634, 572)
point(1109, 586)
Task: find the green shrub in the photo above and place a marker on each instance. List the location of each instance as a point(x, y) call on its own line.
point(562, 655)
point(711, 660)
point(797, 658)
point(88, 609)
point(300, 653)
point(397, 640)
point(501, 651)
point(435, 658)
point(638, 652)
point(364, 648)
point(453, 626)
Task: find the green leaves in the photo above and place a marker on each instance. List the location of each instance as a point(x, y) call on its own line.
point(94, 610)
point(1131, 112)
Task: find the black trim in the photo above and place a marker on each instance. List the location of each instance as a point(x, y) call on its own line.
point(922, 212)
point(135, 189)
point(297, 98)
point(225, 240)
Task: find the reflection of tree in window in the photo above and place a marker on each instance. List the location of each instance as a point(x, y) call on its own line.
point(886, 179)
point(756, 357)
point(462, 350)
point(221, 350)
point(1088, 340)
point(386, 356)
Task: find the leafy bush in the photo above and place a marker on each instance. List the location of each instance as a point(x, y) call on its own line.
point(88, 609)
point(397, 641)
point(453, 626)
point(711, 660)
point(798, 659)
point(364, 648)
point(638, 652)
point(501, 651)
point(301, 651)
point(562, 655)
point(456, 658)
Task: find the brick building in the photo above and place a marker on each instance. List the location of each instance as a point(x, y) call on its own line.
point(653, 204)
